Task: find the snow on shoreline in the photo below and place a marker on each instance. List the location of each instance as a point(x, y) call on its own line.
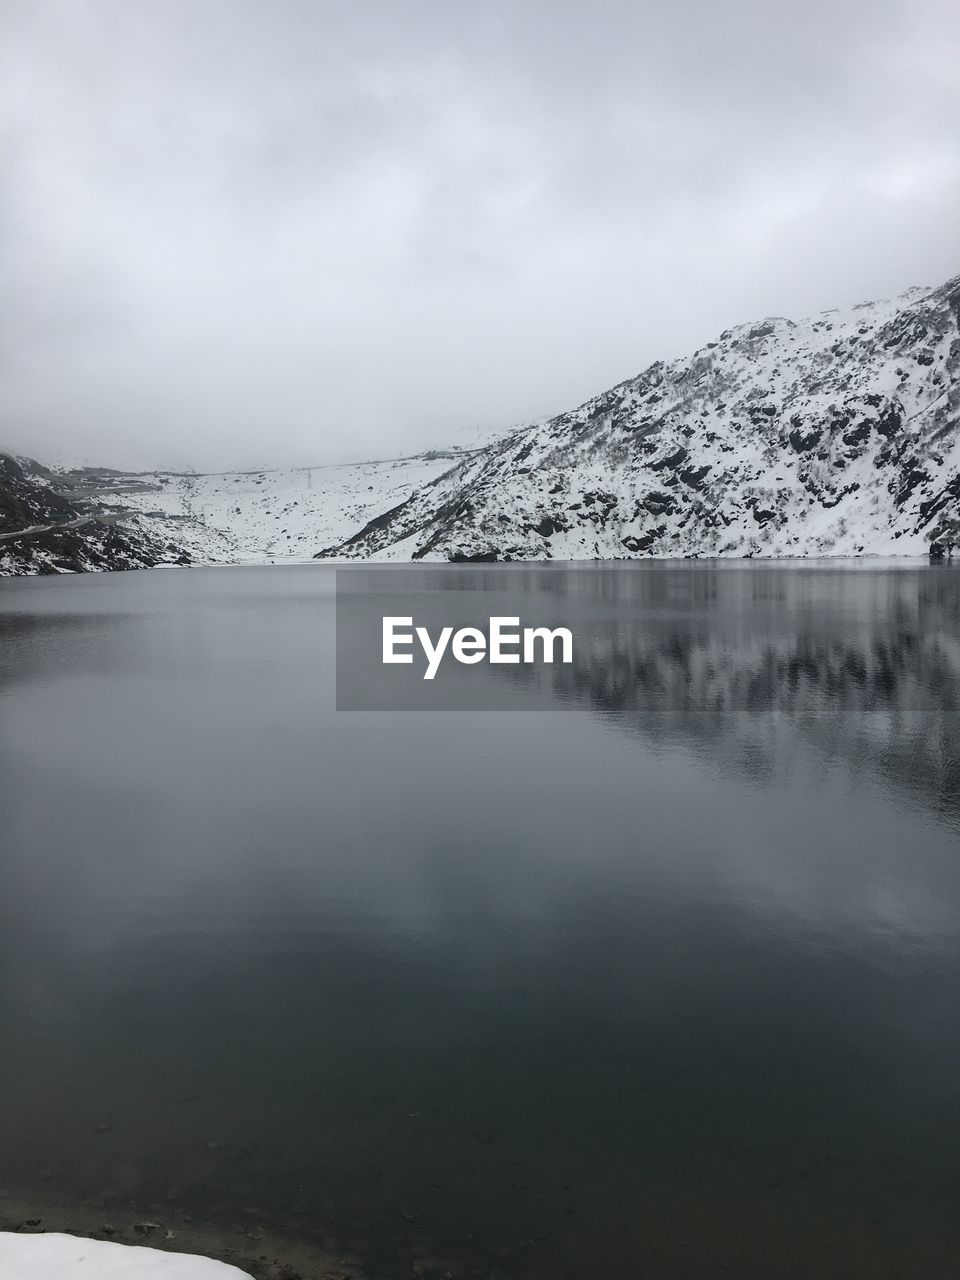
point(55, 1256)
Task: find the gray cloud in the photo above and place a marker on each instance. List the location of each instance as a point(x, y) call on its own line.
point(236, 231)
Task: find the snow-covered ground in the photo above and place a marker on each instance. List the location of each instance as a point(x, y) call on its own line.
point(62, 1257)
point(274, 515)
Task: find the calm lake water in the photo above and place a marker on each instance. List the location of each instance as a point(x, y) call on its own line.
point(663, 982)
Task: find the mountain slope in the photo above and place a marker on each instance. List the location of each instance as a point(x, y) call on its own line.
point(72, 519)
point(42, 532)
point(836, 435)
point(268, 516)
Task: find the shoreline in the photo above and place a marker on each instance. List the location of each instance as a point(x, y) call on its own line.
point(867, 561)
point(265, 1255)
point(255, 1248)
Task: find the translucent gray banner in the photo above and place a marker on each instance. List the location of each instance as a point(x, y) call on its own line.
point(661, 637)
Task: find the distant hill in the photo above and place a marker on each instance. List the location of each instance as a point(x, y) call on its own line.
point(42, 532)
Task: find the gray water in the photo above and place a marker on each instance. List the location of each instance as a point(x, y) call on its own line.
point(664, 984)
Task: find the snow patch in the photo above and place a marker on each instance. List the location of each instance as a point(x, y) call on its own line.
point(62, 1257)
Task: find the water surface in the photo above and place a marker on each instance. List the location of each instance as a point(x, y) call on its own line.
point(666, 985)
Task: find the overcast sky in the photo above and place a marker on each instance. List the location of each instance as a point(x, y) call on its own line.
point(235, 232)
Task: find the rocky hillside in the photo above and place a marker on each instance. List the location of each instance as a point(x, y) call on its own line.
point(25, 497)
point(42, 532)
point(837, 435)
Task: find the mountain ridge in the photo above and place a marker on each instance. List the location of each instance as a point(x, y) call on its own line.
point(838, 435)
point(742, 448)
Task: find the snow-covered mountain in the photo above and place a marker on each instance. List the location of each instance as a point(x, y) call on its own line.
point(71, 519)
point(269, 516)
point(836, 435)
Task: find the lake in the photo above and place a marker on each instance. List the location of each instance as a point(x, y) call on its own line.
point(654, 970)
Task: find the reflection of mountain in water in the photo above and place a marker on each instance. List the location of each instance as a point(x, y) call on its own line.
point(687, 671)
point(866, 663)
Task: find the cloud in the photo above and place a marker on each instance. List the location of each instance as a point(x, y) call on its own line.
point(232, 231)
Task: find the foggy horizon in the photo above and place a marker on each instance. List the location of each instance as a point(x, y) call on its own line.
point(238, 236)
